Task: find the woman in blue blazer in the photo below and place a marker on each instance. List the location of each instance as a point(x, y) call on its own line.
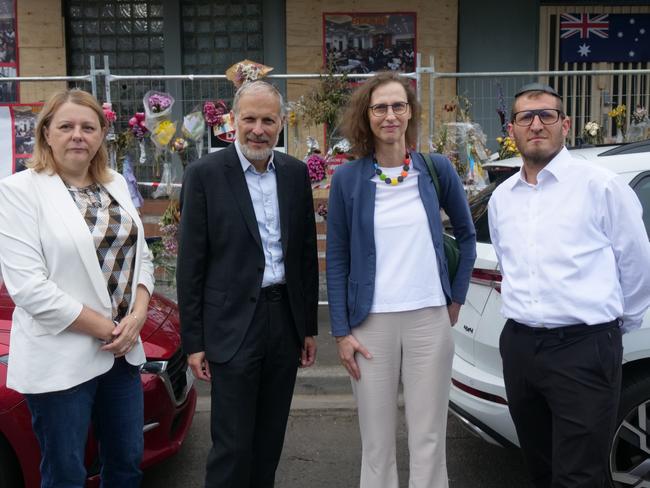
point(391, 300)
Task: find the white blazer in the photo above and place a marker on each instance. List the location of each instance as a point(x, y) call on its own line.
point(50, 267)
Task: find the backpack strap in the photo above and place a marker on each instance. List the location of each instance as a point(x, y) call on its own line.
point(432, 171)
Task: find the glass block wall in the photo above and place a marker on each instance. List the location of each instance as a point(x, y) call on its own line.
point(130, 32)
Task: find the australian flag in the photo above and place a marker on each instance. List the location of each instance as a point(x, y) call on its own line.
point(604, 37)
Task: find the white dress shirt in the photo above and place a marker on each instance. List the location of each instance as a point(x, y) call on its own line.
point(572, 248)
point(263, 189)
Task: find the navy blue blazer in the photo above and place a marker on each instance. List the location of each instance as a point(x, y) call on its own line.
point(351, 258)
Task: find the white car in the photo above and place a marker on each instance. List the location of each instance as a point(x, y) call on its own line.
point(478, 395)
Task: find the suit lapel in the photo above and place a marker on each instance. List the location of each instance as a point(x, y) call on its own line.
point(237, 183)
point(285, 192)
point(62, 205)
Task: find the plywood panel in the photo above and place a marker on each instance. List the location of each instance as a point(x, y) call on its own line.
point(48, 33)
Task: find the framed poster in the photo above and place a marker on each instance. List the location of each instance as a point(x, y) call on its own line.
point(24, 125)
point(8, 51)
point(17, 131)
point(369, 42)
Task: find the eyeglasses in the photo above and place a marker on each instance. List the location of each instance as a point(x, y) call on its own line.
point(547, 116)
point(381, 109)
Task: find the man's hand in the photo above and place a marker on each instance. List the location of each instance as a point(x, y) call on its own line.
point(453, 310)
point(348, 346)
point(199, 366)
point(308, 354)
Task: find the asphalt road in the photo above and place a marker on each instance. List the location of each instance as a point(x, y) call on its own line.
point(322, 449)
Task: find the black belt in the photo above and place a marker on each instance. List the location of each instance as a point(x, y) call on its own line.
point(274, 293)
point(565, 330)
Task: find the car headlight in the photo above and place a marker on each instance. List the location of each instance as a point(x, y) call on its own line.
point(154, 367)
point(4, 359)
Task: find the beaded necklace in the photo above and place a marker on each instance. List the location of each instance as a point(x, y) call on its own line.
point(387, 179)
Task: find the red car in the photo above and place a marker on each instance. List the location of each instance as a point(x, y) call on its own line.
point(169, 400)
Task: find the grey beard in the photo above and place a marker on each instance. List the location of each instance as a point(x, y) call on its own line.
point(255, 154)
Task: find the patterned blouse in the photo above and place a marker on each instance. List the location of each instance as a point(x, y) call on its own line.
point(115, 236)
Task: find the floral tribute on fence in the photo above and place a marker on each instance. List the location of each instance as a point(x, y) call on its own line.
point(592, 133)
point(464, 143)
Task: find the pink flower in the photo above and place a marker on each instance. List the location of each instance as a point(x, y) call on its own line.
point(136, 124)
point(316, 166)
point(108, 112)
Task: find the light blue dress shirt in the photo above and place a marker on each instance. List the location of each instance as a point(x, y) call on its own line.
point(263, 189)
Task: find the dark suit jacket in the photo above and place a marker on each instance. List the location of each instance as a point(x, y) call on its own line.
point(220, 260)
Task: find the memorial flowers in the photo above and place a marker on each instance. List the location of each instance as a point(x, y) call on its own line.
point(617, 114)
point(592, 133)
point(245, 71)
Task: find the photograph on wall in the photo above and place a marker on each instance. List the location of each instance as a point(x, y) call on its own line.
point(8, 51)
point(370, 42)
point(24, 125)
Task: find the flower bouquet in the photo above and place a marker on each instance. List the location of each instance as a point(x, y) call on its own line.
point(217, 116)
point(618, 116)
point(640, 127)
point(592, 133)
point(157, 112)
point(179, 146)
point(139, 131)
point(111, 138)
point(194, 129)
point(507, 148)
point(316, 166)
point(245, 71)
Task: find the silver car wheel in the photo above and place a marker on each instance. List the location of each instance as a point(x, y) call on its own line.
point(629, 459)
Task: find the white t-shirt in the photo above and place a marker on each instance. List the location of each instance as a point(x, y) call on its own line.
point(407, 275)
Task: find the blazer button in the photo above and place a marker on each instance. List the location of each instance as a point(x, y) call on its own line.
point(253, 299)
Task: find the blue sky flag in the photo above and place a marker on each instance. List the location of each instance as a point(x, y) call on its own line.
point(604, 37)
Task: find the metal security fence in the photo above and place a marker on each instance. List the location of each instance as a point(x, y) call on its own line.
point(587, 96)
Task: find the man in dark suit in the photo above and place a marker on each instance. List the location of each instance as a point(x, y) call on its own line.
point(247, 280)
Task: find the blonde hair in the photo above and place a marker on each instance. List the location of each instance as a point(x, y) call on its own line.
point(43, 159)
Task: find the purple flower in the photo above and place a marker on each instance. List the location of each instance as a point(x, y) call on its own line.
point(159, 102)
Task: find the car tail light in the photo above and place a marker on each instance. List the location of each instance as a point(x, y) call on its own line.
point(478, 393)
point(487, 277)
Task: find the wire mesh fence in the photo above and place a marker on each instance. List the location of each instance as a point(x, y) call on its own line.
point(587, 96)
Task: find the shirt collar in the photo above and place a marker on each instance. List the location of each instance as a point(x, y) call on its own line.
point(246, 164)
point(556, 168)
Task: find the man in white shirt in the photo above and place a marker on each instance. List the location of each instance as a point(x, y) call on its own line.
point(575, 260)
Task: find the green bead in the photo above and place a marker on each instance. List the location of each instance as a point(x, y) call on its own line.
point(382, 177)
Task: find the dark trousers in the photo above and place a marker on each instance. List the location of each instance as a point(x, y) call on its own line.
point(563, 387)
point(251, 397)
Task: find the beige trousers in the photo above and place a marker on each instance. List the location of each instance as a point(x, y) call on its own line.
point(416, 345)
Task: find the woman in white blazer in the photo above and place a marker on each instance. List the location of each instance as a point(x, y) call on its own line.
point(75, 262)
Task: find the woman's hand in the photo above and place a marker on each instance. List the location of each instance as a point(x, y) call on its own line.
point(453, 309)
point(348, 346)
point(125, 335)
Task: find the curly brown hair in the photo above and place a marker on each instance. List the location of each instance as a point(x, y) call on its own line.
point(355, 123)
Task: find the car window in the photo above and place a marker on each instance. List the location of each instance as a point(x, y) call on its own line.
point(641, 186)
